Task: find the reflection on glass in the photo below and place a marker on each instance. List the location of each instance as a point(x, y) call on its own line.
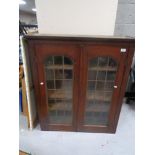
point(101, 75)
point(101, 78)
point(102, 61)
point(68, 74)
point(59, 82)
point(99, 85)
point(93, 63)
point(58, 60)
point(92, 75)
point(111, 75)
point(91, 85)
point(58, 73)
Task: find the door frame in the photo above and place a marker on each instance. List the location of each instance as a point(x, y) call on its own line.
point(53, 48)
point(90, 51)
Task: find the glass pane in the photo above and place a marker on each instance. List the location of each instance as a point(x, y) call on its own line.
point(58, 73)
point(93, 63)
point(67, 85)
point(68, 74)
point(50, 84)
point(59, 82)
point(49, 74)
point(58, 60)
point(103, 61)
point(108, 86)
point(91, 85)
point(67, 61)
point(112, 63)
point(92, 75)
point(101, 75)
point(111, 75)
point(101, 78)
point(100, 86)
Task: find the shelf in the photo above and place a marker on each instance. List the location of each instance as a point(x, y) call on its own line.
point(91, 68)
point(102, 107)
point(99, 96)
point(62, 94)
point(60, 119)
point(59, 94)
point(103, 68)
point(59, 67)
point(60, 106)
point(98, 120)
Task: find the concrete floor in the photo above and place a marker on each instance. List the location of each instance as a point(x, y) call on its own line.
point(39, 142)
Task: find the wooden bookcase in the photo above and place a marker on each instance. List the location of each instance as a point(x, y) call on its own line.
point(79, 81)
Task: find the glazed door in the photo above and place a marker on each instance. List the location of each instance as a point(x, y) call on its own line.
point(101, 78)
point(58, 82)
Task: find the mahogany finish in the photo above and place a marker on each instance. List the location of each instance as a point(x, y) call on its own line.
point(80, 50)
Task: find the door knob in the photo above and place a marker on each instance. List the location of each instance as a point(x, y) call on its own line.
point(115, 86)
point(41, 83)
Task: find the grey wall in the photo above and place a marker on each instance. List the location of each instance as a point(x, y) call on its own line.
point(125, 18)
point(27, 18)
